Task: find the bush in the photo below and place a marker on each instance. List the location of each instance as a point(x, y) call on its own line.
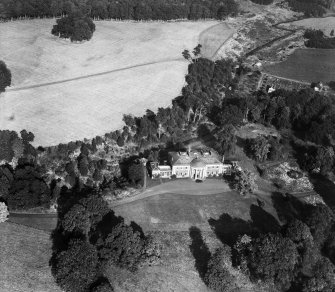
point(75, 26)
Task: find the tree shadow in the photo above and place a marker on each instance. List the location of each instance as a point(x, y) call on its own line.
point(325, 188)
point(227, 229)
point(199, 250)
point(263, 220)
point(288, 207)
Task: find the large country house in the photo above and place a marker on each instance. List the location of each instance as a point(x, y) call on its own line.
point(192, 164)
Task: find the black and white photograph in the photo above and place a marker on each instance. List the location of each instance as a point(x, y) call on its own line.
point(167, 145)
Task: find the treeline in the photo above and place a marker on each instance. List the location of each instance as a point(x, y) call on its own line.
point(262, 2)
point(317, 39)
point(125, 9)
point(311, 8)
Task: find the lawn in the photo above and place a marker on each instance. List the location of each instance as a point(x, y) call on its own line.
point(307, 65)
point(170, 211)
point(24, 260)
point(65, 91)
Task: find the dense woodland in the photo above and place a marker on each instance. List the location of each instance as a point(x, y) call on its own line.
point(125, 9)
point(311, 8)
point(317, 39)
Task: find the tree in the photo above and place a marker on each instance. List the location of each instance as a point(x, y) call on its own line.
point(120, 141)
point(259, 148)
point(197, 51)
point(227, 139)
point(325, 156)
point(28, 189)
point(3, 212)
point(218, 277)
point(186, 54)
point(77, 220)
point(136, 173)
point(76, 26)
point(243, 181)
point(323, 278)
point(76, 267)
point(332, 33)
point(27, 137)
point(320, 220)
point(123, 246)
point(103, 286)
point(5, 76)
point(273, 258)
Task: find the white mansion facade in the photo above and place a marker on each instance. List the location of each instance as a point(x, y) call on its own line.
point(192, 164)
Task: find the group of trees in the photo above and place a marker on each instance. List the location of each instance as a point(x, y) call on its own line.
point(125, 9)
point(263, 2)
point(311, 8)
point(24, 187)
point(300, 257)
point(75, 26)
point(89, 238)
point(14, 146)
point(317, 39)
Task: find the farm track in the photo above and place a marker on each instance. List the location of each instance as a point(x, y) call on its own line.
point(93, 75)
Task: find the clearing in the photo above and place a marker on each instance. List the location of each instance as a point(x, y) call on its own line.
point(24, 260)
point(63, 91)
point(325, 24)
point(306, 65)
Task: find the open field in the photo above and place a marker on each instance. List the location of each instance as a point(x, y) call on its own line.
point(325, 24)
point(65, 91)
point(306, 65)
point(24, 260)
point(213, 38)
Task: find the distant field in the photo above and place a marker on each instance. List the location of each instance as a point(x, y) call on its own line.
point(325, 24)
point(24, 260)
point(306, 65)
point(64, 91)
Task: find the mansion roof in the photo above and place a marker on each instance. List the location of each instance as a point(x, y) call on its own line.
point(194, 158)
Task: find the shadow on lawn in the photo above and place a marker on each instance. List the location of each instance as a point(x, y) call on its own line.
point(200, 251)
point(228, 229)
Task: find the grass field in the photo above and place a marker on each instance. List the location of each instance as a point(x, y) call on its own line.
point(306, 65)
point(24, 260)
point(167, 208)
point(65, 91)
point(325, 24)
point(213, 38)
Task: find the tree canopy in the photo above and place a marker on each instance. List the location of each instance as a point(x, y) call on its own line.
point(75, 26)
point(5, 76)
